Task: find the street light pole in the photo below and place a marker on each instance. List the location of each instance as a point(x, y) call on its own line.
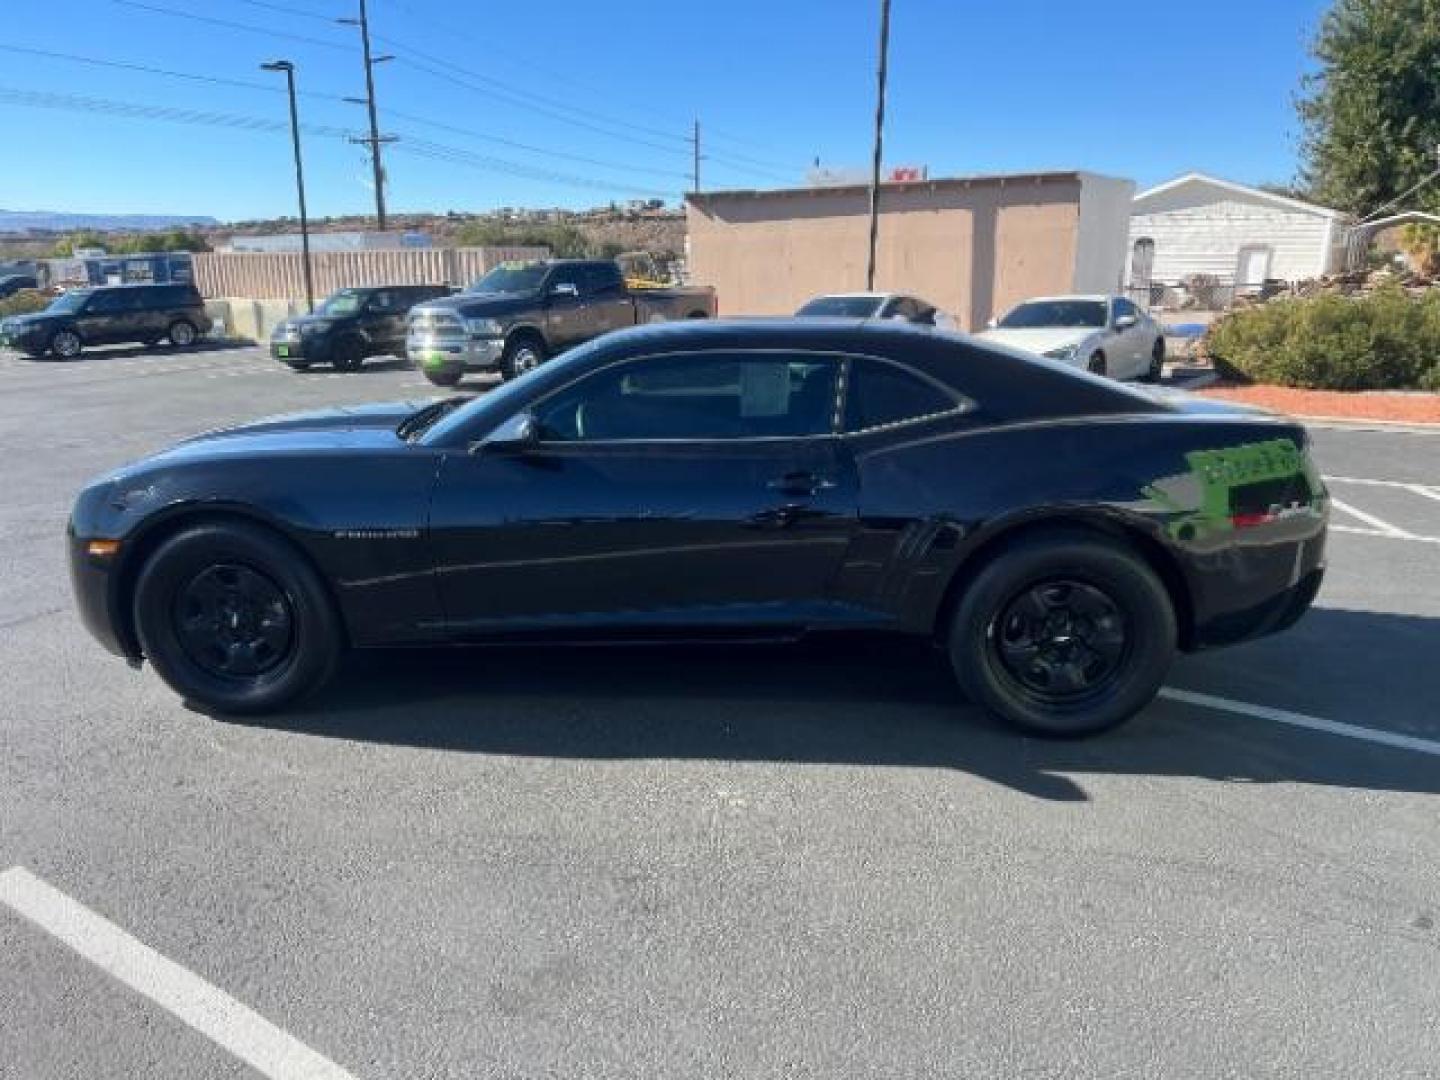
point(879, 142)
point(289, 69)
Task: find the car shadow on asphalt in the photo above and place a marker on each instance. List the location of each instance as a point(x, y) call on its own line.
point(102, 353)
point(880, 702)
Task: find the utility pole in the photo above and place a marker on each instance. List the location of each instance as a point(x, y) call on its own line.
point(289, 69)
point(879, 142)
point(695, 168)
point(375, 139)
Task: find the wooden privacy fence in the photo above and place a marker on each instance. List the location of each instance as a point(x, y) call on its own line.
point(281, 275)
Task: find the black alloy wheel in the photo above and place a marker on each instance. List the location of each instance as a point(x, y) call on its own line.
point(233, 616)
point(234, 621)
point(1061, 640)
point(1064, 632)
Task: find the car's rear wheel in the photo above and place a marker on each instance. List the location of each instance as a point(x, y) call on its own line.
point(443, 378)
point(234, 619)
point(522, 354)
point(1157, 362)
point(1064, 634)
point(1096, 364)
point(66, 344)
point(349, 354)
point(182, 333)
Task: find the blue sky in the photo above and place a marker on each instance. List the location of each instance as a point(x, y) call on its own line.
point(1125, 87)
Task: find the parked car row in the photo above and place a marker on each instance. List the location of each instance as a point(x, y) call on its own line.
point(518, 315)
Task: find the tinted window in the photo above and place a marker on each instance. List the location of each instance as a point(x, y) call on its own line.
point(601, 277)
point(111, 302)
point(1041, 313)
point(511, 278)
point(704, 396)
point(841, 307)
point(877, 393)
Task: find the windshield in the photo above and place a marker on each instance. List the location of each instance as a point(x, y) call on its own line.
point(70, 302)
point(482, 414)
point(511, 278)
point(841, 307)
point(1047, 313)
point(344, 302)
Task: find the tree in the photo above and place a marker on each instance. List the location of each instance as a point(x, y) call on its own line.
point(66, 245)
point(1371, 114)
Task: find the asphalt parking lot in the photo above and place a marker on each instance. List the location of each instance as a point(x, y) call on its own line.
point(805, 862)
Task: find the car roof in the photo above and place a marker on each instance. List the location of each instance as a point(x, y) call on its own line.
point(1067, 296)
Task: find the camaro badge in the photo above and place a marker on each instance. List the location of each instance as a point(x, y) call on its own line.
point(377, 534)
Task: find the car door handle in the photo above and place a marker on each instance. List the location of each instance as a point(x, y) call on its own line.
point(800, 483)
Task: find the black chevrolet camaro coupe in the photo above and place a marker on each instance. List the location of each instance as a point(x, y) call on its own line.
point(1060, 535)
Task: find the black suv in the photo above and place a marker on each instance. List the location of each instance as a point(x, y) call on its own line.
point(109, 315)
point(351, 325)
point(10, 284)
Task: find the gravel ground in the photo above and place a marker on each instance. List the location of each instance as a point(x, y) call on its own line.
point(1398, 407)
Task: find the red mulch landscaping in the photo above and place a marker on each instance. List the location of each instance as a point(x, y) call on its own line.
point(1407, 408)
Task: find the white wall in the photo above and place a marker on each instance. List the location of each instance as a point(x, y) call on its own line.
point(1102, 252)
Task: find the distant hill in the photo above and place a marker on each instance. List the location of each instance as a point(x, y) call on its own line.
point(19, 221)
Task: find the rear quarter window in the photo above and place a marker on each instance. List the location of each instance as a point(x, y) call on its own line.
point(878, 393)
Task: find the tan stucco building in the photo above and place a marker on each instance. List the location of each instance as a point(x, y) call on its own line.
point(973, 245)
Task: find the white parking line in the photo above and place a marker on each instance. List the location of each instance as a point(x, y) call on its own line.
point(1313, 723)
point(210, 1011)
point(1384, 527)
point(1358, 531)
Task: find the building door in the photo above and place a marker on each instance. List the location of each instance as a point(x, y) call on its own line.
point(1253, 267)
point(1142, 270)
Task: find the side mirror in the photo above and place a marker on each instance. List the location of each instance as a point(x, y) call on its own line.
point(1125, 322)
point(518, 435)
point(564, 288)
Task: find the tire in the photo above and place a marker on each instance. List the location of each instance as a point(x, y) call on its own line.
point(66, 344)
point(1064, 634)
point(522, 354)
point(1157, 362)
point(262, 631)
point(349, 354)
point(1096, 364)
point(443, 378)
point(301, 366)
point(182, 333)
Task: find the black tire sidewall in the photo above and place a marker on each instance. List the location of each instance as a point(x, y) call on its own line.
point(507, 359)
point(1097, 364)
point(171, 329)
point(443, 378)
point(316, 626)
point(80, 344)
point(1114, 568)
point(349, 354)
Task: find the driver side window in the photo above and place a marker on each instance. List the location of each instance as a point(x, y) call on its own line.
point(707, 396)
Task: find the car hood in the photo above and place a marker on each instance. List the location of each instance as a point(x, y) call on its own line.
point(1040, 339)
point(20, 322)
point(482, 305)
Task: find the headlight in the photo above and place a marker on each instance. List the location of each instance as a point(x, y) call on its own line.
point(484, 327)
point(1065, 352)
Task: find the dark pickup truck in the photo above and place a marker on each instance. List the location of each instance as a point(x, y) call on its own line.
point(517, 316)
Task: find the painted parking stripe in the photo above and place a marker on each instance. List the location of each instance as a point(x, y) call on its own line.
point(1313, 723)
point(1371, 520)
point(1427, 490)
point(182, 993)
point(1360, 531)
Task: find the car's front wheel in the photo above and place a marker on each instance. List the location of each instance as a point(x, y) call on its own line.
point(443, 377)
point(66, 344)
point(349, 354)
point(182, 334)
point(522, 354)
point(1157, 362)
point(1096, 364)
point(234, 618)
point(1064, 634)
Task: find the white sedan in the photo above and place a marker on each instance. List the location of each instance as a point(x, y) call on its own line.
point(1108, 335)
point(876, 305)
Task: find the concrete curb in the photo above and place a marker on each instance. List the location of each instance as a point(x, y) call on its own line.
point(1403, 427)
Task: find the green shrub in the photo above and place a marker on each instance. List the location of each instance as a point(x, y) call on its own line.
point(1387, 340)
point(23, 302)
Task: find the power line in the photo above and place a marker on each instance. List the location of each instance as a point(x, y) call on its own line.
point(290, 9)
point(233, 121)
point(413, 118)
point(122, 65)
point(250, 28)
point(490, 50)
